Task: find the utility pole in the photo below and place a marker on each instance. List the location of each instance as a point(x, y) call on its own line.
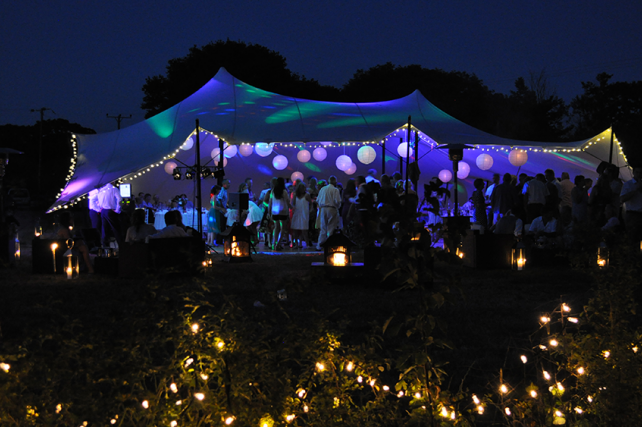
point(119, 118)
point(42, 118)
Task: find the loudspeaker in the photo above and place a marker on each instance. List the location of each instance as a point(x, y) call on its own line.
point(239, 201)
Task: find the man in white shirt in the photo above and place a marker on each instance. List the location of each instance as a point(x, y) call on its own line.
point(109, 201)
point(171, 229)
point(566, 186)
point(631, 197)
point(329, 200)
point(94, 211)
point(535, 194)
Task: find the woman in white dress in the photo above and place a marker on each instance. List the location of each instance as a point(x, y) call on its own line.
point(301, 216)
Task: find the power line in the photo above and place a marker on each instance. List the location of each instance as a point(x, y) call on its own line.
point(119, 118)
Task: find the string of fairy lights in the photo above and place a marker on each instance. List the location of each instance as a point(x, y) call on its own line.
point(447, 411)
point(398, 134)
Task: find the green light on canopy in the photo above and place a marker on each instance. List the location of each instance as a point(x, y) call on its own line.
point(572, 159)
point(163, 123)
point(312, 167)
point(354, 121)
point(305, 110)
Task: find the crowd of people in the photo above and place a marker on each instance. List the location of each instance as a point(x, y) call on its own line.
point(549, 210)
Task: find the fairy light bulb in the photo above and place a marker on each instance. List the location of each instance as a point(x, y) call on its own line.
point(480, 409)
point(573, 319)
point(229, 420)
point(503, 389)
point(589, 398)
point(199, 396)
point(560, 387)
point(606, 354)
point(189, 362)
point(5, 367)
point(290, 418)
point(204, 376)
point(507, 411)
point(350, 366)
point(524, 359)
point(195, 327)
point(545, 319)
point(475, 399)
point(558, 414)
point(546, 375)
point(578, 410)
point(400, 394)
point(566, 308)
point(359, 379)
point(580, 370)
point(533, 394)
point(173, 387)
point(301, 393)
point(320, 366)
point(145, 404)
point(417, 395)
point(173, 424)
point(444, 412)
point(220, 344)
point(553, 342)
point(386, 388)
point(372, 383)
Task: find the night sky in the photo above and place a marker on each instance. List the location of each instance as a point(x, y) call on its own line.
point(86, 59)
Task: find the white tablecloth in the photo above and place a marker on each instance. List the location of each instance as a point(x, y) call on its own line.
point(189, 219)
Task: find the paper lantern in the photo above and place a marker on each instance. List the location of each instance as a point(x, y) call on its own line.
point(216, 154)
point(343, 162)
point(296, 175)
point(280, 162)
point(445, 175)
point(366, 154)
point(303, 156)
point(188, 144)
point(263, 149)
point(230, 151)
point(351, 170)
point(402, 150)
point(169, 167)
point(518, 157)
point(464, 170)
point(319, 154)
point(216, 161)
point(246, 150)
point(484, 161)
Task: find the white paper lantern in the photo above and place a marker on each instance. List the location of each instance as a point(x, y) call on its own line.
point(216, 154)
point(403, 148)
point(518, 157)
point(445, 175)
point(343, 162)
point(230, 151)
point(319, 154)
point(296, 175)
point(246, 150)
point(366, 154)
point(464, 170)
point(484, 161)
point(280, 162)
point(216, 161)
point(169, 167)
point(303, 156)
point(188, 144)
point(351, 170)
point(263, 149)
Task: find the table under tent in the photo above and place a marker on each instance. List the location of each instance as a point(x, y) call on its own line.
point(266, 134)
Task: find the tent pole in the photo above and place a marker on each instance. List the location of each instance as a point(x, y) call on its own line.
point(383, 157)
point(611, 150)
point(219, 179)
point(199, 202)
point(400, 159)
point(407, 160)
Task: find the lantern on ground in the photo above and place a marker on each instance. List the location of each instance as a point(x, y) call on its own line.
point(518, 157)
point(402, 150)
point(337, 250)
point(237, 244)
point(464, 170)
point(303, 156)
point(445, 175)
point(246, 150)
point(72, 268)
point(602, 256)
point(280, 162)
point(343, 162)
point(366, 154)
point(319, 154)
point(351, 170)
point(518, 256)
point(263, 149)
point(169, 167)
point(54, 246)
point(208, 261)
point(484, 161)
point(230, 150)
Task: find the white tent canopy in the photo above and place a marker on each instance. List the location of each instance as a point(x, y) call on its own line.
point(240, 113)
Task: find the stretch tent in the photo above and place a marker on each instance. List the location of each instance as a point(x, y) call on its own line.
point(239, 113)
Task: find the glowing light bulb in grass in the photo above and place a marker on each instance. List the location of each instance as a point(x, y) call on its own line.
point(480, 409)
point(580, 370)
point(359, 379)
point(199, 396)
point(606, 354)
point(507, 411)
point(546, 375)
point(400, 394)
point(503, 389)
point(566, 308)
point(145, 404)
point(320, 367)
point(444, 412)
point(301, 393)
point(579, 410)
point(573, 319)
point(290, 418)
point(533, 394)
point(229, 420)
point(173, 424)
point(173, 387)
point(475, 399)
point(524, 359)
point(350, 366)
point(553, 342)
point(386, 388)
point(5, 367)
point(195, 327)
point(560, 387)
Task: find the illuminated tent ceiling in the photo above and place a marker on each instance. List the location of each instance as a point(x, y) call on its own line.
point(240, 113)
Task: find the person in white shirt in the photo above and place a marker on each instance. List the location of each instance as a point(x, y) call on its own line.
point(566, 186)
point(109, 201)
point(171, 229)
point(535, 194)
point(94, 211)
point(139, 230)
point(329, 200)
point(544, 228)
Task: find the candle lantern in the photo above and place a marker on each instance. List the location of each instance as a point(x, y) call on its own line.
point(208, 261)
point(37, 230)
point(237, 244)
point(16, 247)
point(72, 267)
point(518, 257)
point(602, 256)
point(338, 250)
